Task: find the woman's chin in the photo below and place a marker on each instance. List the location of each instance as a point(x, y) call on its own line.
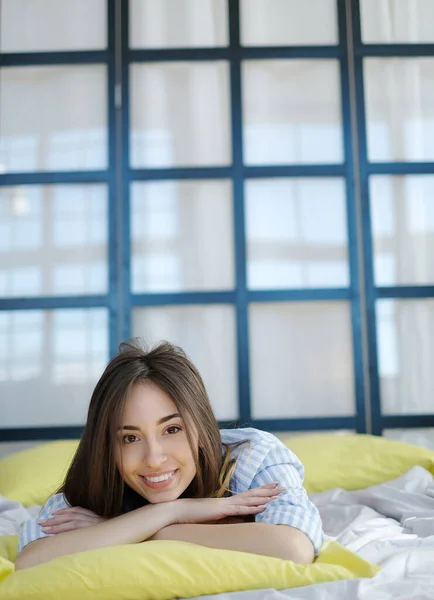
point(162, 496)
point(154, 493)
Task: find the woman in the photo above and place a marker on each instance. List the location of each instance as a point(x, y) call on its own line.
point(152, 464)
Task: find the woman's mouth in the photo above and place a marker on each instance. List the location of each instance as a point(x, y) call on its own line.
point(161, 481)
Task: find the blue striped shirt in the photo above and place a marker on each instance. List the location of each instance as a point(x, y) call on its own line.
point(264, 460)
point(267, 459)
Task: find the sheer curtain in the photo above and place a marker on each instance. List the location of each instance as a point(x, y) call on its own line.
point(399, 100)
point(54, 237)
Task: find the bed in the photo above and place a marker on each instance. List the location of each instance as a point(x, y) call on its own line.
point(389, 524)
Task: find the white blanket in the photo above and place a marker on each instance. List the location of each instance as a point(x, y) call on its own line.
point(391, 524)
point(13, 514)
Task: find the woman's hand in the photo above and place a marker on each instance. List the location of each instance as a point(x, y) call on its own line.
point(188, 510)
point(68, 519)
point(204, 510)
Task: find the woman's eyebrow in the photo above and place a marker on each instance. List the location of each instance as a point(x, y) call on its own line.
point(159, 422)
point(167, 418)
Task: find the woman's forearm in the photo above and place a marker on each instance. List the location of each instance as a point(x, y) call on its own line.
point(279, 541)
point(136, 526)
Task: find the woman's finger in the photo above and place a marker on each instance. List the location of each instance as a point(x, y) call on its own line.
point(57, 520)
point(268, 486)
point(259, 494)
point(268, 492)
point(257, 501)
point(69, 516)
point(74, 512)
point(265, 489)
point(63, 527)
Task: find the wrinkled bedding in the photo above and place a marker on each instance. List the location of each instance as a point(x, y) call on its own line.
point(391, 525)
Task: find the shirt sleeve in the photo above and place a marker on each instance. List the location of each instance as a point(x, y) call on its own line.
point(31, 530)
point(293, 506)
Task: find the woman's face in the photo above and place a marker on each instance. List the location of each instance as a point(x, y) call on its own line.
point(153, 454)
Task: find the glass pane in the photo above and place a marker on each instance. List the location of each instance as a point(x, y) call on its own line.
point(288, 22)
point(178, 23)
point(397, 21)
point(53, 240)
point(402, 214)
point(296, 233)
point(50, 25)
point(405, 332)
point(53, 118)
point(180, 114)
point(292, 112)
point(421, 437)
point(182, 236)
point(207, 335)
point(50, 362)
point(399, 97)
point(301, 360)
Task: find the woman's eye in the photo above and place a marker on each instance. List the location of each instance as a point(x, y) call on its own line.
point(127, 439)
point(173, 429)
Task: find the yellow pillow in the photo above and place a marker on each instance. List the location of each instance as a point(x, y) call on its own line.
point(8, 553)
point(355, 461)
point(31, 476)
point(163, 570)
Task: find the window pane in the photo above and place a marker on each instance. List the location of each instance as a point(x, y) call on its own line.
point(50, 25)
point(405, 332)
point(288, 22)
point(207, 335)
point(296, 233)
point(180, 114)
point(178, 23)
point(53, 240)
point(292, 112)
point(402, 213)
point(50, 362)
point(399, 98)
point(53, 118)
point(397, 21)
point(301, 360)
point(182, 236)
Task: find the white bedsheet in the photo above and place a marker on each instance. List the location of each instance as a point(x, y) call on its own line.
point(391, 524)
point(13, 514)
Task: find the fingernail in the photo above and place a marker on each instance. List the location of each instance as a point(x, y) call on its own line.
point(45, 528)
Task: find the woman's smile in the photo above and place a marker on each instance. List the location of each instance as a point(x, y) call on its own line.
point(161, 481)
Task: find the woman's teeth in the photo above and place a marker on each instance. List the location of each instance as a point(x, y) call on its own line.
point(161, 478)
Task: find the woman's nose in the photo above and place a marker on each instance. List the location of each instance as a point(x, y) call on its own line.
point(154, 456)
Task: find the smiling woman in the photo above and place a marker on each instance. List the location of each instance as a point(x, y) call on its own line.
point(152, 464)
point(155, 461)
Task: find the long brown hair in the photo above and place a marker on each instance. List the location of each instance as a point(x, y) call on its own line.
point(93, 480)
